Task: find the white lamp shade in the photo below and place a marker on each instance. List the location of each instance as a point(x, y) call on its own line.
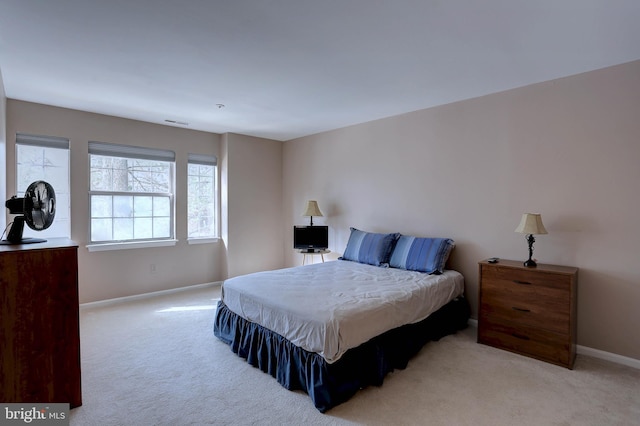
point(312, 209)
point(531, 223)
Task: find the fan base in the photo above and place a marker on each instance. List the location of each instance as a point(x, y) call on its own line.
point(23, 241)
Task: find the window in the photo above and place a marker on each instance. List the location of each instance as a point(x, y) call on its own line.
point(45, 158)
point(201, 204)
point(131, 193)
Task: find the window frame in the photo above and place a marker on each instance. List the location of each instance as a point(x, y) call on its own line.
point(53, 142)
point(129, 152)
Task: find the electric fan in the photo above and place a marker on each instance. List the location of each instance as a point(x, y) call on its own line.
point(37, 207)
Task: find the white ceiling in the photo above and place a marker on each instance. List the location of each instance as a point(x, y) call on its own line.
point(289, 68)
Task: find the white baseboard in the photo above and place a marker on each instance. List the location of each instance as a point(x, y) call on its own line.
point(595, 353)
point(108, 302)
point(608, 356)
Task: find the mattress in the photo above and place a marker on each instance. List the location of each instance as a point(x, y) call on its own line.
point(329, 308)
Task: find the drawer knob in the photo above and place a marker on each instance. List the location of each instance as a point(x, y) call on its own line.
point(515, 308)
point(521, 282)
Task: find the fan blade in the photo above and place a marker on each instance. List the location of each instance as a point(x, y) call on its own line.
point(37, 216)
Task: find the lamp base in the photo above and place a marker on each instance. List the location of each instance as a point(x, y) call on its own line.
point(530, 263)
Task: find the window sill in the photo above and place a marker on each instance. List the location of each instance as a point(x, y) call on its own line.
point(208, 240)
point(131, 245)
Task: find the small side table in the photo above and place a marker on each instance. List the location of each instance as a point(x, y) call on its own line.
point(312, 253)
point(529, 311)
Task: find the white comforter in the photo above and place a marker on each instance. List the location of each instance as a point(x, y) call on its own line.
point(331, 307)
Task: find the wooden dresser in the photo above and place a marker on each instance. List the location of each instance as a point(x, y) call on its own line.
point(39, 325)
point(530, 311)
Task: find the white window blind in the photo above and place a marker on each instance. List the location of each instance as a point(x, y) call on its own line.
point(206, 160)
point(43, 141)
point(127, 151)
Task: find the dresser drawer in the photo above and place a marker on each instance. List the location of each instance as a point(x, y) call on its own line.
point(547, 284)
point(541, 344)
point(527, 305)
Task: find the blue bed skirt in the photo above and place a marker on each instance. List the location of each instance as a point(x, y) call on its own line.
point(331, 384)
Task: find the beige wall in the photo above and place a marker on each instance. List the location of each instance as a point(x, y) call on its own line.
point(568, 149)
point(109, 274)
point(252, 203)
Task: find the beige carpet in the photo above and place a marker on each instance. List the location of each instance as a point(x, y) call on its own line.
point(156, 362)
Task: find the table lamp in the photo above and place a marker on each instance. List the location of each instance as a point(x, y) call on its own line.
point(312, 210)
point(531, 224)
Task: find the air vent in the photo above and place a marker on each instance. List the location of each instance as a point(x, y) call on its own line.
point(182, 123)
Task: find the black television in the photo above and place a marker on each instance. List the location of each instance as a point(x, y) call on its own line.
point(310, 238)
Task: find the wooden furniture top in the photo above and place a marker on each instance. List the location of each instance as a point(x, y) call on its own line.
point(542, 267)
point(51, 243)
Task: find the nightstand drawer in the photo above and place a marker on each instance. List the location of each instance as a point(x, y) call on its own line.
point(537, 343)
point(521, 280)
point(526, 306)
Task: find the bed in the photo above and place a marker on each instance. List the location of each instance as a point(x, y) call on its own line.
point(332, 328)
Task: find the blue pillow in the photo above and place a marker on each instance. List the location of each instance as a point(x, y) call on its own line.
point(367, 247)
point(421, 254)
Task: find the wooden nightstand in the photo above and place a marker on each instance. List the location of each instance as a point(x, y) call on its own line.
point(530, 311)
